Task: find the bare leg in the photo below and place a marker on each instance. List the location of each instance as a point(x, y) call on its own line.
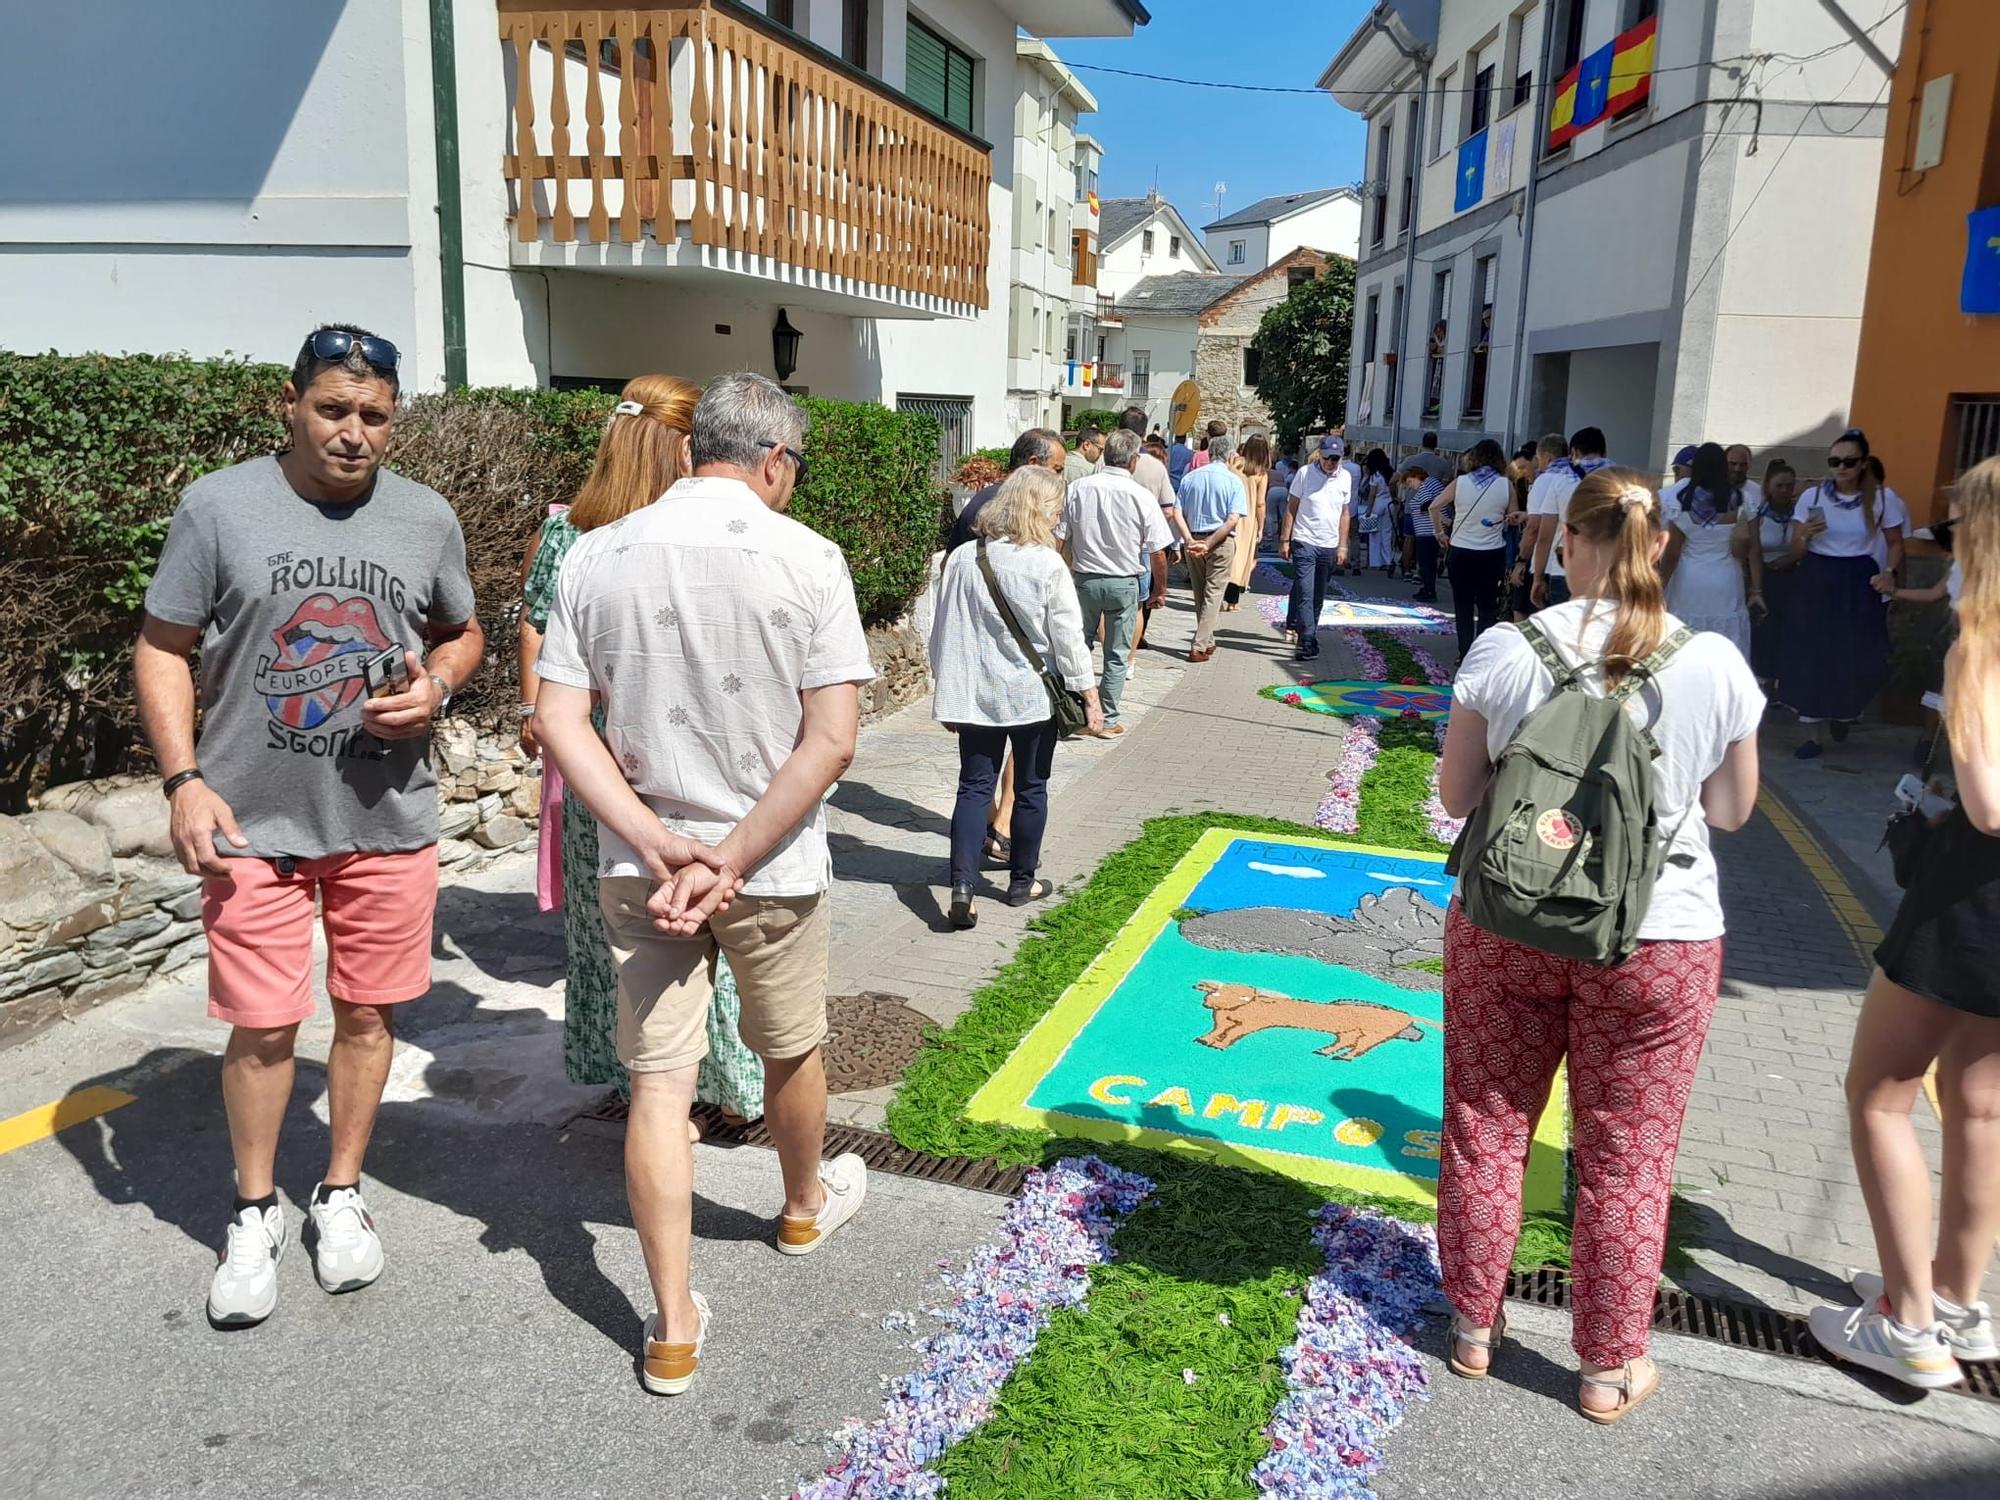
point(1001, 818)
point(795, 1115)
point(364, 1042)
point(1968, 1083)
point(256, 1087)
point(1898, 1036)
point(659, 1183)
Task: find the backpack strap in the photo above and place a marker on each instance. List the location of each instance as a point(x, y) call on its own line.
point(1645, 672)
point(1546, 653)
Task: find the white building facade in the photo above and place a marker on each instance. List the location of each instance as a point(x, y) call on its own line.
point(1611, 213)
point(624, 191)
point(1263, 234)
point(1049, 155)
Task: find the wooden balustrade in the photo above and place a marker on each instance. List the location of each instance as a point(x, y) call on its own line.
point(758, 147)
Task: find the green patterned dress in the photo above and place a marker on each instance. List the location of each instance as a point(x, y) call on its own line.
point(731, 1076)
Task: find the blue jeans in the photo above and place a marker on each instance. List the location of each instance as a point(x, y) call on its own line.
point(1313, 565)
point(982, 750)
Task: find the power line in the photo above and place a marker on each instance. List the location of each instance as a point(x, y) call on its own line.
point(1787, 58)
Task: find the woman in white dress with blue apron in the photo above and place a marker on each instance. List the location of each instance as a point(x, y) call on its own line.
point(1773, 570)
point(1836, 655)
point(1705, 552)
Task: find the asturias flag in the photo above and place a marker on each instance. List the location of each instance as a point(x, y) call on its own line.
point(1980, 291)
point(1593, 86)
point(1471, 173)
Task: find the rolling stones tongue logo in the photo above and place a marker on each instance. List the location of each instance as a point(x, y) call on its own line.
point(318, 667)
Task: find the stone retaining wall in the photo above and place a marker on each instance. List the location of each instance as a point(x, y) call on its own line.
point(93, 904)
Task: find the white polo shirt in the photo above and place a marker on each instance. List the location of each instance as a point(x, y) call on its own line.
point(1321, 497)
point(699, 620)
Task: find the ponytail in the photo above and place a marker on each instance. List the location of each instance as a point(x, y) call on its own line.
point(1614, 507)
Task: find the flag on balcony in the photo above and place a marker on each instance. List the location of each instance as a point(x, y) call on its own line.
point(1593, 86)
point(1471, 172)
point(1096, 205)
point(1632, 67)
point(1980, 291)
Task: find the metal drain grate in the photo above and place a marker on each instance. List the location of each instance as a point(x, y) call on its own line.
point(1740, 1327)
point(1692, 1316)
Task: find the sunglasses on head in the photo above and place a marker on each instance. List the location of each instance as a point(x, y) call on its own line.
point(793, 454)
point(1835, 461)
point(334, 345)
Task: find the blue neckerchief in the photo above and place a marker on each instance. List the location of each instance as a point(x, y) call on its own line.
point(1484, 473)
point(1828, 493)
point(1700, 505)
point(1578, 468)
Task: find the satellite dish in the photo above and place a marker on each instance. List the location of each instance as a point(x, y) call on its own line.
point(1185, 409)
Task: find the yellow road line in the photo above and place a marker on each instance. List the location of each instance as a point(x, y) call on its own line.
point(1848, 910)
point(72, 1109)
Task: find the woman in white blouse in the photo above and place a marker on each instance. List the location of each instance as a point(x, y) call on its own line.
point(1836, 653)
point(988, 691)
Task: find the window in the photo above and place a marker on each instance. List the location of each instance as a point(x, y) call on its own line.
point(1237, 250)
point(1142, 374)
point(1403, 209)
point(1976, 420)
point(854, 33)
point(1055, 237)
point(1385, 153)
point(1482, 100)
point(1435, 343)
point(954, 419)
point(1371, 328)
point(1442, 97)
point(784, 12)
point(1069, 347)
point(1173, 247)
point(940, 76)
point(1482, 338)
point(1516, 67)
point(1049, 321)
point(1395, 375)
point(1298, 276)
point(1639, 10)
point(1146, 243)
point(1252, 364)
point(1569, 35)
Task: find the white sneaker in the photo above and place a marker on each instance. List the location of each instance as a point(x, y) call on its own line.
point(669, 1369)
point(1969, 1330)
point(845, 1179)
point(1863, 1336)
point(245, 1287)
point(347, 1253)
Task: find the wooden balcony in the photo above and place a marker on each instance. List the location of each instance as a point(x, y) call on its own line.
point(761, 156)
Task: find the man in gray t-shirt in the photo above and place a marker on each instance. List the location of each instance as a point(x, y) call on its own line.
point(312, 583)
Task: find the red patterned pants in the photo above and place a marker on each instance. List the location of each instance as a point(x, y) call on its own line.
point(1633, 1035)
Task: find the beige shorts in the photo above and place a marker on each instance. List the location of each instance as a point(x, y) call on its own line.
point(776, 947)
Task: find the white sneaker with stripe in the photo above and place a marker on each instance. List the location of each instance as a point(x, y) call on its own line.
point(1969, 1330)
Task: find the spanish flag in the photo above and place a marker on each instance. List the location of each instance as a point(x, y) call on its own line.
point(1615, 78)
point(1096, 207)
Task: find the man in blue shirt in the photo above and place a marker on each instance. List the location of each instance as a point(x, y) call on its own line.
point(1212, 504)
point(1179, 457)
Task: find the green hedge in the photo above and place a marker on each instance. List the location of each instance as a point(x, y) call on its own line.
point(95, 450)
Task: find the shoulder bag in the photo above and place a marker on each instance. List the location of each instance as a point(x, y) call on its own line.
point(1065, 707)
point(1909, 831)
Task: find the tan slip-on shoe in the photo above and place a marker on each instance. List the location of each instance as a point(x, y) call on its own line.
point(669, 1369)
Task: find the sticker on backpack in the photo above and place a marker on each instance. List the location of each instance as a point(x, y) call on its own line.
point(1558, 829)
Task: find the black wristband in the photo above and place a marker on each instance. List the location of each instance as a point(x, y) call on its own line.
point(178, 780)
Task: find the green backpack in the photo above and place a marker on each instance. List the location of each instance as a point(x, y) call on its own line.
point(1563, 849)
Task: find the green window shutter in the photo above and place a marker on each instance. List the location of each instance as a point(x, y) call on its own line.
point(927, 69)
point(938, 76)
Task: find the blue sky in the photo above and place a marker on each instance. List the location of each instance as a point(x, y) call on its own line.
point(1260, 144)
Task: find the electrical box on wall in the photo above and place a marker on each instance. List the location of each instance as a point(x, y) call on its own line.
point(1932, 110)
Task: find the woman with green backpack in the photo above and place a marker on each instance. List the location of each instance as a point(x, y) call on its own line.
point(1591, 749)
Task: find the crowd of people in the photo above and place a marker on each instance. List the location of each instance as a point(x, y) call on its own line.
point(690, 664)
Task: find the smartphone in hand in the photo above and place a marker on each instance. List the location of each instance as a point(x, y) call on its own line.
point(387, 673)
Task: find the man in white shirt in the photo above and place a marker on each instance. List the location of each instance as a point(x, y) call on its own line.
point(1550, 450)
point(1586, 454)
point(1314, 536)
point(1117, 535)
point(1749, 493)
point(725, 645)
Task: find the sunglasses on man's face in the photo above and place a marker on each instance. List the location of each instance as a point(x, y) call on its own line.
point(1835, 461)
point(334, 345)
point(793, 454)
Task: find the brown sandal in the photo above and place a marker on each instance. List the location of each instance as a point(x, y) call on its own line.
point(1461, 1333)
point(1621, 1382)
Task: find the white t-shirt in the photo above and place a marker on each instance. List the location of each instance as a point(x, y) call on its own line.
point(1546, 497)
point(1774, 530)
point(1479, 508)
point(1321, 497)
point(1846, 533)
point(1704, 702)
point(699, 620)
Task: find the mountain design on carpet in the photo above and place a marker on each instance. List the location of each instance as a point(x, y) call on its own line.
point(1397, 936)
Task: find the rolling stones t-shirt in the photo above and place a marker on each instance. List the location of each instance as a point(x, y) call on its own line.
point(293, 598)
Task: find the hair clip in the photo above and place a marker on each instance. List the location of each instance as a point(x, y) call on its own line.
point(629, 409)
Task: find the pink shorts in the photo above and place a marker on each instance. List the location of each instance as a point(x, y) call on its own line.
point(377, 909)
